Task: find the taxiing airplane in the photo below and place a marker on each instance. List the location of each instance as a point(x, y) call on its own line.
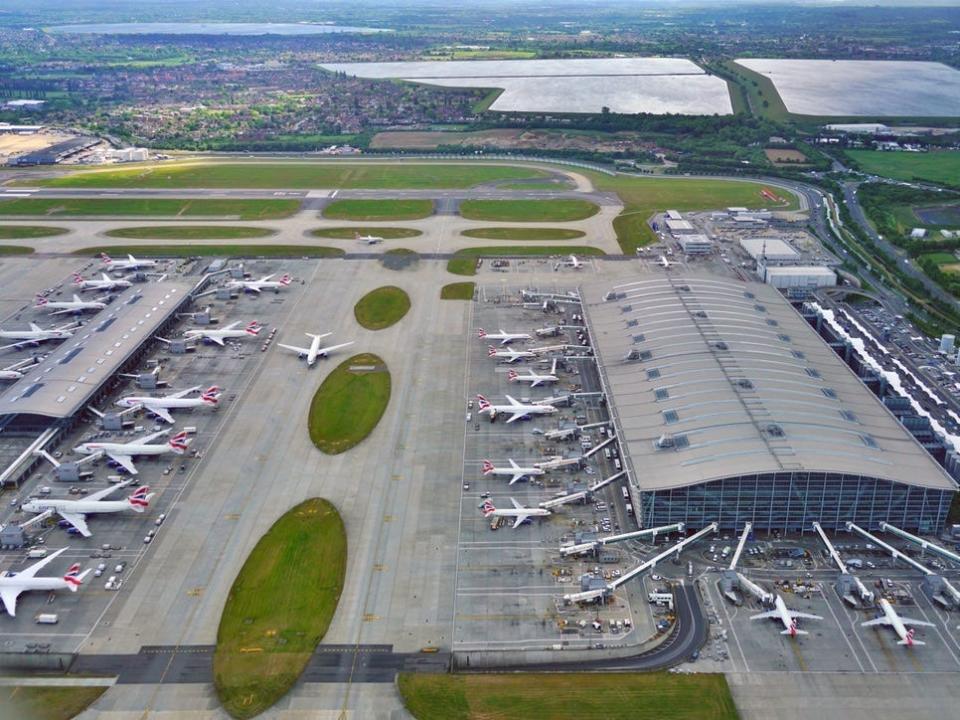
point(898, 623)
point(161, 406)
point(123, 453)
point(368, 239)
point(230, 331)
point(12, 584)
point(520, 513)
point(313, 352)
point(535, 379)
point(75, 511)
point(35, 335)
point(505, 338)
point(515, 472)
point(76, 305)
point(131, 263)
point(106, 283)
point(517, 410)
point(509, 355)
point(264, 283)
point(786, 616)
point(17, 370)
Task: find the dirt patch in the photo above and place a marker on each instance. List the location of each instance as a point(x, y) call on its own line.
point(784, 156)
point(513, 139)
point(13, 144)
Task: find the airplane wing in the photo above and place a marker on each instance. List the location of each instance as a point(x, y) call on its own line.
point(149, 438)
point(519, 521)
point(512, 400)
point(78, 520)
point(266, 278)
point(803, 616)
point(516, 505)
point(101, 494)
point(766, 616)
point(62, 312)
point(251, 286)
point(326, 350)
point(515, 478)
point(231, 326)
point(184, 393)
point(874, 623)
point(303, 351)
point(515, 416)
point(9, 596)
point(38, 566)
point(161, 413)
point(536, 382)
point(216, 338)
point(911, 621)
point(35, 328)
point(514, 465)
point(125, 461)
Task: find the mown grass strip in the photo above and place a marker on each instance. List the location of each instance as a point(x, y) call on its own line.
point(47, 702)
point(523, 233)
point(458, 291)
point(349, 403)
point(381, 308)
point(528, 210)
point(22, 232)
point(149, 207)
point(367, 210)
point(349, 233)
point(190, 232)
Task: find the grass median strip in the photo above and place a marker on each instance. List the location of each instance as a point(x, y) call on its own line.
point(349, 403)
point(523, 233)
point(15, 250)
point(458, 291)
point(150, 207)
point(180, 251)
point(21, 232)
point(366, 210)
point(528, 210)
point(349, 233)
point(381, 308)
point(47, 702)
point(190, 232)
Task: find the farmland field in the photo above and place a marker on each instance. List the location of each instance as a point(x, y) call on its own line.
point(938, 167)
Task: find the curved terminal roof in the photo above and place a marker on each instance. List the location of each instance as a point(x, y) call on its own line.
point(711, 378)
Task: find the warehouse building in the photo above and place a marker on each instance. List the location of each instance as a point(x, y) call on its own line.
point(731, 408)
point(798, 277)
point(679, 227)
point(695, 244)
point(769, 250)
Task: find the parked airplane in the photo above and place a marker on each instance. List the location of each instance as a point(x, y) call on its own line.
point(75, 511)
point(520, 513)
point(218, 336)
point(663, 262)
point(70, 306)
point(35, 335)
point(509, 355)
point(574, 262)
point(106, 283)
point(533, 378)
point(17, 370)
point(14, 583)
point(515, 472)
point(898, 623)
point(311, 353)
point(505, 338)
point(131, 263)
point(264, 283)
point(786, 616)
point(517, 410)
point(368, 239)
point(161, 406)
point(122, 453)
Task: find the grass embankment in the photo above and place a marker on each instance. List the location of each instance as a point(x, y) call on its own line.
point(15, 250)
point(20, 232)
point(180, 251)
point(458, 291)
point(523, 233)
point(295, 175)
point(761, 93)
point(559, 696)
point(528, 210)
point(367, 210)
point(937, 167)
point(381, 308)
point(46, 703)
point(348, 233)
point(279, 607)
point(349, 403)
point(150, 207)
point(190, 232)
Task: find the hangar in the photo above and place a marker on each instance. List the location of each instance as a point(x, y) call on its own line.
point(731, 408)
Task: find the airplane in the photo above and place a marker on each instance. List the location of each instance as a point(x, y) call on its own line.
point(898, 623)
point(35, 335)
point(264, 283)
point(533, 378)
point(14, 583)
point(516, 409)
point(314, 351)
point(230, 331)
point(514, 471)
point(505, 338)
point(75, 511)
point(574, 262)
point(122, 453)
point(105, 283)
point(18, 369)
point(663, 262)
point(521, 513)
point(786, 616)
point(131, 263)
point(368, 239)
point(70, 306)
point(509, 355)
point(161, 406)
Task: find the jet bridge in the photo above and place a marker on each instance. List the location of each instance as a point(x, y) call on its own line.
point(923, 544)
point(731, 579)
point(574, 497)
point(846, 581)
point(600, 542)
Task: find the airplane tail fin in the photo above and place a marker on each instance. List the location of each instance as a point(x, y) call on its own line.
point(794, 632)
point(77, 279)
point(909, 641)
point(512, 375)
point(106, 258)
point(487, 467)
point(483, 403)
point(140, 499)
point(253, 328)
point(488, 509)
point(179, 442)
point(481, 333)
point(286, 279)
point(41, 301)
point(211, 396)
point(74, 578)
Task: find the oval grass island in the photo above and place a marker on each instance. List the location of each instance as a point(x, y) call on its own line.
point(381, 308)
point(349, 403)
point(280, 607)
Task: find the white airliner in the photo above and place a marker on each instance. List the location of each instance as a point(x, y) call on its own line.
point(105, 283)
point(230, 331)
point(12, 584)
point(509, 355)
point(75, 511)
point(898, 623)
point(786, 616)
point(161, 406)
point(519, 512)
point(515, 472)
point(574, 262)
point(264, 283)
point(122, 453)
point(663, 262)
point(368, 239)
point(517, 410)
point(17, 370)
point(69, 306)
point(535, 379)
point(505, 338)
point(315, 351)
point(35, 335)
point(131, 263)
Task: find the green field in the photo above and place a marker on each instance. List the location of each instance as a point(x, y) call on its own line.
point(349, 403)
point(941, 258)
point(279, 607)
point(523, 233)
point(366, 210)
point(190, 232)
point(528, 210)
point(15, 250)
point(180, 251)
point(348, 233)
point(20, 232)
point(295, 175)
point(46, 703)
point(381, 308)
point(458, 291)
point(146, 207)
point(562, 696)
point(937, 167)
point(464, 262)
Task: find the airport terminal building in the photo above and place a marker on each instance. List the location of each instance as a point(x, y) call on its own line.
point(730, 407)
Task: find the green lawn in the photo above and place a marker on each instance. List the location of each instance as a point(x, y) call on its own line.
point(528, 210)
point(464, 262)
point(941, 258)
point(523, 233)
point(279, 607)
point(366, 210)
point(15, 250)
point(458, 291)
point(281, 251)
point(937, 167)
point(348, 233)
point(381, 308)
point(563, 696)
point(295, 175)
point(146, 207)
point(191, 232)
point(19, 232)
point(46, 703)
point(349, 403)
